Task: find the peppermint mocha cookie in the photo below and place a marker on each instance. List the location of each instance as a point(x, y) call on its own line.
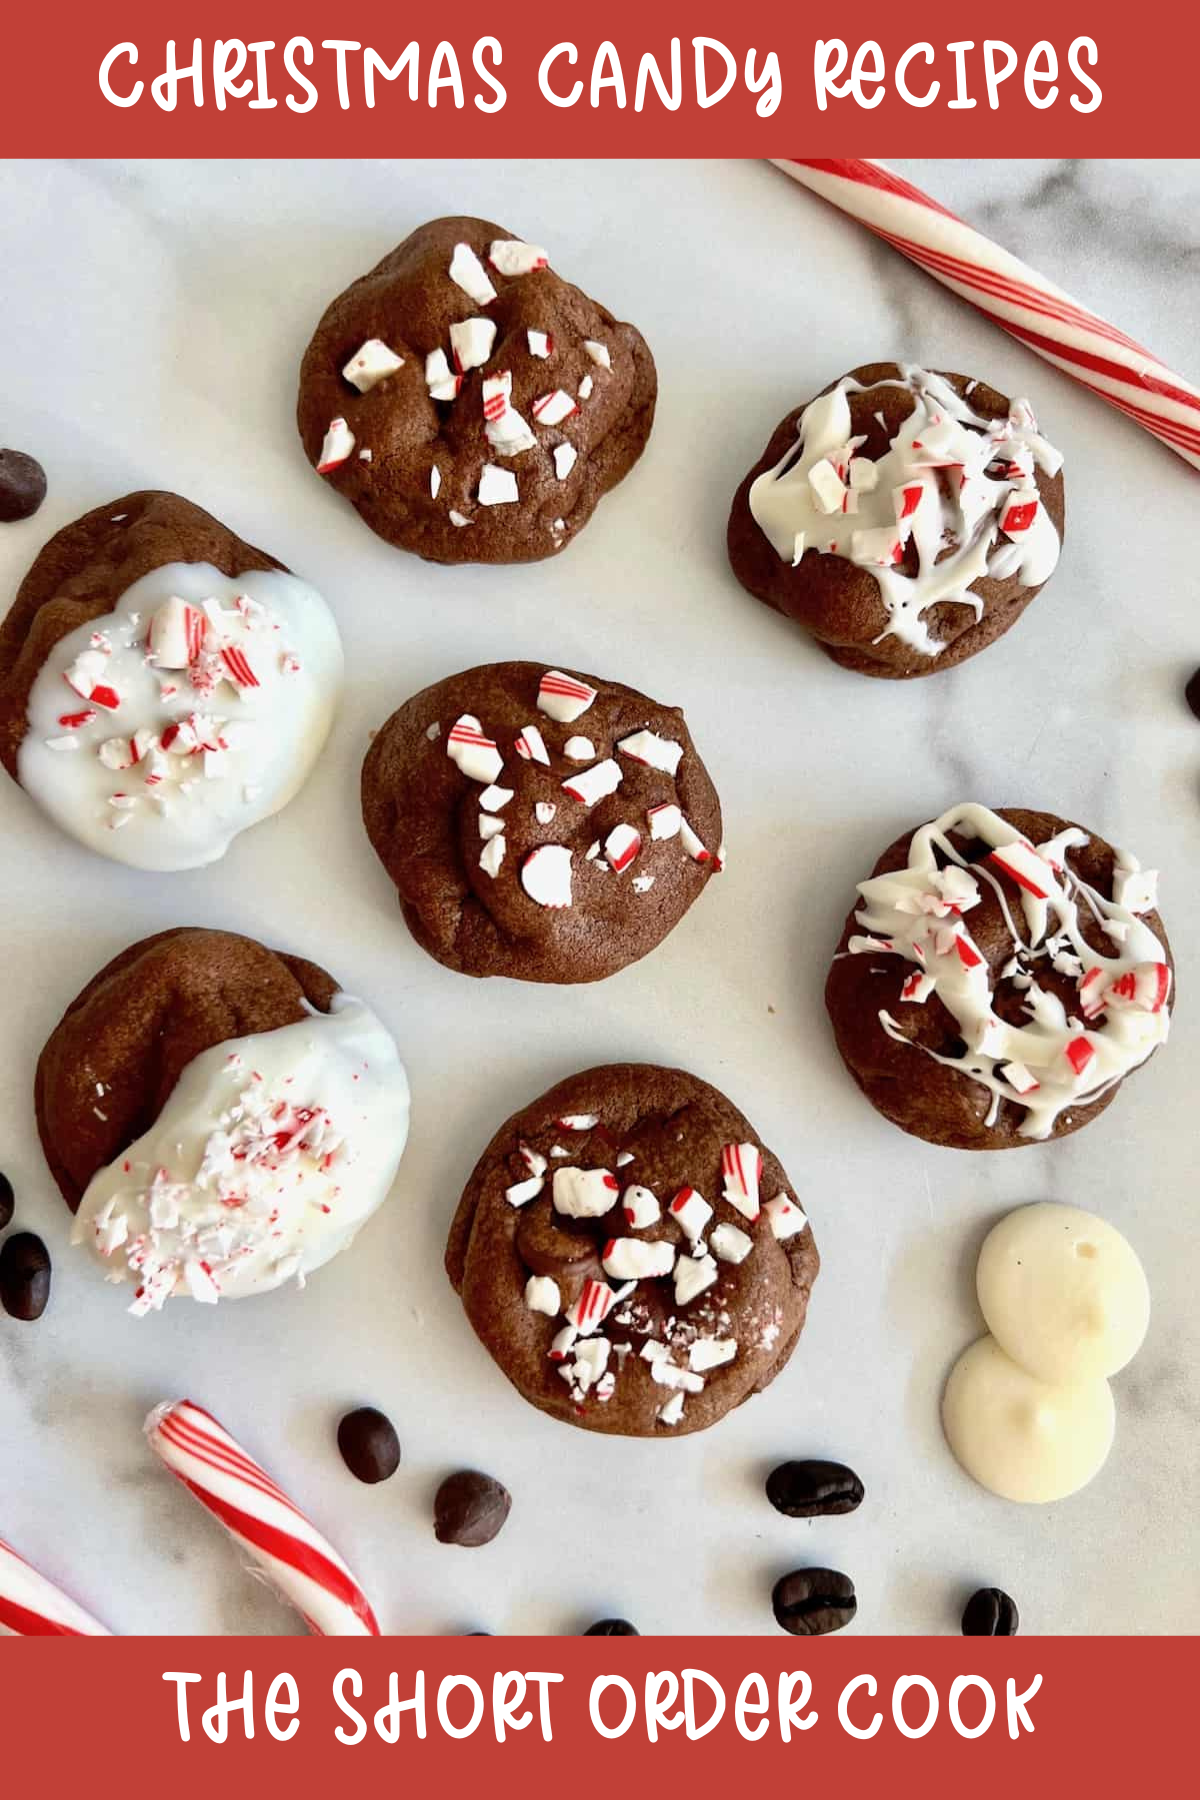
point(905, 519)
point(219, 1116)
point(998, 978)
point(540, 823)
point(162, 684)
point(472, 404)
point(633, 1258)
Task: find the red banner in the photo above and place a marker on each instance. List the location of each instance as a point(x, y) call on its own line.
point(258, 78)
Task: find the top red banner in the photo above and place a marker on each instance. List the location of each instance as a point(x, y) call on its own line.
point(258, 78)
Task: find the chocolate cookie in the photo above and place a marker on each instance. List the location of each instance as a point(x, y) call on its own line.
point(999, 976)
point(559, 850)
point(163, 685)
point(632, 1258)
point(905, 519)
point(218, 1116)
point(470, 403)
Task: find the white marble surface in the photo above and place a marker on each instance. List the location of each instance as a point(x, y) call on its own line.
point(154, 318)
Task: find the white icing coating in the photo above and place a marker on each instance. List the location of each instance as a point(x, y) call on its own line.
point(1022, 1438)
point(238, 753)
point(949, 475)
point(1058, 1058)
point(270, 1153)
point(1063, 1293)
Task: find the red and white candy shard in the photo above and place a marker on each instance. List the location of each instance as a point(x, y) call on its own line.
point(553, 408)
point(640, 1207)
point(584, 389)
point(827, 487)
point(371, 364)
point(1018, 516)
point(565, 456)
point(469, 274)
point(785, 1217)
point(692, 844)
point(669, 1375)
point(596, 1300)
point(176, 634)
point(31, 1606)
point(1147, 987)
point(490, 826)
point(544, 812)
point(917, 988)
point(546, 875)
point(497, 487)
point(594, 784)
point(283, 1544)
point(729, 1244)
point(741, 1167)
point(672, 1411)
point(656, 752)
point(1135, 888)
point(540, 344)
point(531, 746)
point(474, 753)
point(878, 547)
point(238, 666)
point(542, 1295)
point(495, 799)
point(512, 257)
point(491, 857)
point(665, 821)
point(598, 352)
point(578, 1122)
point(1027, 868)
point(694, 1275)
point(564, 697)
point(1079, 1053)
point(471, 343)
point(711, 1353)
point(522, 1192)
point(1023, 1080)
point(579, 749)
point(584, 1193)
point(691, 1212)
point(440, 379)
point(634, 1259)
point(533, 1159)
point(336, 448)
point(88, 676)
point(435, 481)
point(621, 847)
point(562, 1343)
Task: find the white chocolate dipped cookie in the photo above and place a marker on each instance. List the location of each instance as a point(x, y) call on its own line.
point(184, 705)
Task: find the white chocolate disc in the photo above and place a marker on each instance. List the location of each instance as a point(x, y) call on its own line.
point(1021, 1438)
point(1062, 1293)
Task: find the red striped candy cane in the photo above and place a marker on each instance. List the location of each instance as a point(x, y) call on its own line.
point(1009, 293)
point(302, 1567)
point(31, 1606)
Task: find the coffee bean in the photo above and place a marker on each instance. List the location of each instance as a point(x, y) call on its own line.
point(24, 1276)
point(612, 1628)
point(22, 485)
point(811, 1602)
point(1191, 693)
point(470, 1508)
point(6, 1202)
point(369, 1445)
point(805, 1490)
point(990, 1613)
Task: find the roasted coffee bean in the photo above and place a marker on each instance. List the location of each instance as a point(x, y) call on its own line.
point(369, 1445)
point(805, 1490)
point(990, 1613)
point(22, 485)
point(24, 1276)
point(811, 1602)
point(6, 1202)
point(470, 1508)
point(1191, 693)
point(612, 1628)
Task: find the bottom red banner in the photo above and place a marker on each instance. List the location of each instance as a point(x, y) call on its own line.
point(1041, 1711)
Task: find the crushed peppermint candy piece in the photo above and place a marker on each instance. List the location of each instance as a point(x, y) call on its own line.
point(827, 486)
point(546, 875)
point(642, 884)
point(544, 812)
point(1134, 888)
point(495, 799)
point(670, 1375)
point(584, 1193)
point(176, 634)
point(522, 1192)
point(585, 388)
point(85, 676)
point(435, 481)
point(553, 408)
point(693, 1276)
point(918, 987)
point(640, 1206)
point(878, 548)
point(656, 752)
point(540, 343)
point(371, 364)
point(336, 448)
point(711, 1353)
point(1018, 1077)
point(730, 1244)
point(579, 749)
point(532, 746)
point(594, 784)
point(62, 743)
point(621, 847)
point(564, 697)
point(672, 1412)
point(1029, 870)
point(542, 1295)
point(1020, 512)
point(1079, 1053)
point(476, 755)
point(504, 427)
point(741, 1166)
point(490, 826)
point(563, 1343)
point(491, 857)
point(598, 352)
point(785, 1217)
point(691, 1212)
point(565, 458)
point(471, 342)
point(596, 1300)
point(692, 844)
point(533, 1159)
point(864, 475)
point(497, 487)
point(440, 379)
point(633, 1259)
point(468, 273)
point(238, 666)
point(578, 1121)
point(457, 518)
point(1147, 986)
point(664, 821)
point(512, 257)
